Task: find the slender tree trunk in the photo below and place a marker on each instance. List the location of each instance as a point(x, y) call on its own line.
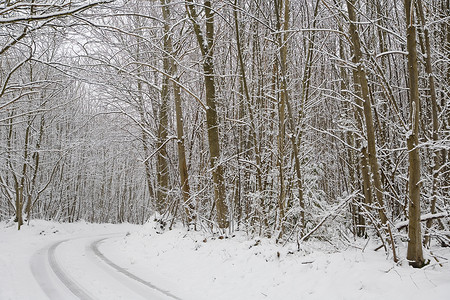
point(248, 101)
point(17, 188)
point(145, 141)
point(253, 130)
point(361, 80)
point(445, 8)
point(435, 121)
point(182, 165)
point(36, 158)
point(414, 255)
point(138, 56)
point(21, 186)
point(144, 137)
point(206, 47)
point(162, 166)
point(358, 217)
point(281, 61)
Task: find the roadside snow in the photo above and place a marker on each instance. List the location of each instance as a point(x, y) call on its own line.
point(194, 265)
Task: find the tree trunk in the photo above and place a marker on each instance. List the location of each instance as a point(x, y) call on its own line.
point(182, 165)
point(435, 121)
point(358, 218)
point(143, 122)
point(281, 107)
point(212, 125)
point(162, 166)
point(414, 255)
point(361, 80)
point(253, 131)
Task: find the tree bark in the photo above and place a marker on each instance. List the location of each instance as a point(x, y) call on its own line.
point(206, 47)
point(182, 165)
point(435, 121)
point(361, 80)
point(162, 166)
point(414, 255)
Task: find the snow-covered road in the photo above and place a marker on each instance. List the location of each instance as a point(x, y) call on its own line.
point(76, 269)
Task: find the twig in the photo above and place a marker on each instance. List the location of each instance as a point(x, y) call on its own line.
point(306, 236)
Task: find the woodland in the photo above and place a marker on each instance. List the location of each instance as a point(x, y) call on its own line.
point(288, 119)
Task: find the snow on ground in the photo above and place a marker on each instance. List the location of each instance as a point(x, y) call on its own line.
point(195, 265)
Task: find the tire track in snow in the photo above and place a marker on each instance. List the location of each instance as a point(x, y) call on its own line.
point(94, 248)
point(39, 268)
point(69, 283)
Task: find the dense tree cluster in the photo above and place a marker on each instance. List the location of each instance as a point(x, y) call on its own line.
point(288, 119)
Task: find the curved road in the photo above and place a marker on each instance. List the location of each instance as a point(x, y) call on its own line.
point(77, 269)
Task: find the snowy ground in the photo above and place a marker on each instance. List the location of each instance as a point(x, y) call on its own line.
point(100, 261)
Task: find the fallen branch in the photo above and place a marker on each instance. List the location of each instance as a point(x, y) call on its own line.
point(332, 212)
point(425, 217)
